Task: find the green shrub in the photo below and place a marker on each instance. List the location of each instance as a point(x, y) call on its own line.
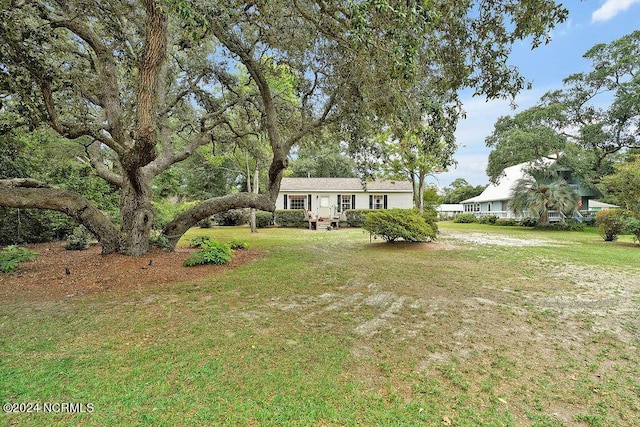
point(291, 218)
point(355, 217)
point(632, 226)
point(205, 223)
point(198, 241)
point(232, 217)
point(394, 224)
point(237, 244)
point(565, 226)
point(12, 256)
point(487, 219)
point(212, 253)
point(610, 223)
point(79, 239)
point(529, 222)
point(20, 226)
point(508, 222)
point(430, 216)
point(465, 218)
point(264, 219)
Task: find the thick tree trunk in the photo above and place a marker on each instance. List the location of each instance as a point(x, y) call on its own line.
point(27, 193)
point(136, 213)
point(176, 228)
point(255, 190)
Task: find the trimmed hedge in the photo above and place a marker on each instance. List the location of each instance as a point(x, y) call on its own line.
point(506, 222)
point(465, 218)
point(232, 217)
point(488, 219)
point(355, 217)
point(264, 219)
point(291, 218)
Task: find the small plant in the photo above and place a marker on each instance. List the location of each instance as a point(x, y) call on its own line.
point(466, 218)
point(610, 223)
point(198, 241)
point(212, 253)
point(12, 256)
point(394, 224)
point(159, 240)
point(237, 244)
point(79, 239)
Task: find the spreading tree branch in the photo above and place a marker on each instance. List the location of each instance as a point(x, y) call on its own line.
point(28, 193)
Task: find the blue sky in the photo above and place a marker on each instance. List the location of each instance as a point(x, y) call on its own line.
point(590, 22)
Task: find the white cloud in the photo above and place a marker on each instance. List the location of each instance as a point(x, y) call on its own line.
point(611, 8)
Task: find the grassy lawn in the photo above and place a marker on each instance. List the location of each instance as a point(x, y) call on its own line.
point(489, 326)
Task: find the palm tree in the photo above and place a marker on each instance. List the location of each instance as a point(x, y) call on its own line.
point(543, 191)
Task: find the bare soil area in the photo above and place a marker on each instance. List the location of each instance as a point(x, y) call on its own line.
point(59, 273)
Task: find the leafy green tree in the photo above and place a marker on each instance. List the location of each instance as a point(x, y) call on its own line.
point(571, 121)
point(540, 192)
point(422, 142)
point(149, 82)
point(323, 157)
point(460, 190)
point(624, 185)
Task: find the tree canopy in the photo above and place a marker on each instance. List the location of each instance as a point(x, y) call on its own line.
point(141, 85)
point(595, 116)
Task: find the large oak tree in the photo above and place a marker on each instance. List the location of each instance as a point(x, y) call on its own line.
point(142, 84)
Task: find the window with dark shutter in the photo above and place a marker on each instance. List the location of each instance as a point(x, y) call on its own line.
point(285, 202)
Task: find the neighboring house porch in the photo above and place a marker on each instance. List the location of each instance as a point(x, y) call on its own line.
point(494, 200)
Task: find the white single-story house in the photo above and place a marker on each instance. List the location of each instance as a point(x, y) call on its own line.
point(494, 200)
point(329, 197)
point(449, 210)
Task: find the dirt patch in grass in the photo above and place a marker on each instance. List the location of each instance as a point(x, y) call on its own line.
point(488, 239)
point(58, 273)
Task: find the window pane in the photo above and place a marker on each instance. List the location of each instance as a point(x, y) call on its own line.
point(345, 203)
point(297, 202)
point(378, 202)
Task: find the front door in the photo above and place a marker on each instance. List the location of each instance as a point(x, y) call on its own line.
point(325, 207)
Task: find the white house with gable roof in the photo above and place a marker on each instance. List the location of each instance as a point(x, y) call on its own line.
point(494, 200)
point(330, 197)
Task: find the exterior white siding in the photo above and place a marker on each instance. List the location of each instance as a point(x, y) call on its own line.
point(326, 196)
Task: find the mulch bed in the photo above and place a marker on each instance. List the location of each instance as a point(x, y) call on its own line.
point(59, 273)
